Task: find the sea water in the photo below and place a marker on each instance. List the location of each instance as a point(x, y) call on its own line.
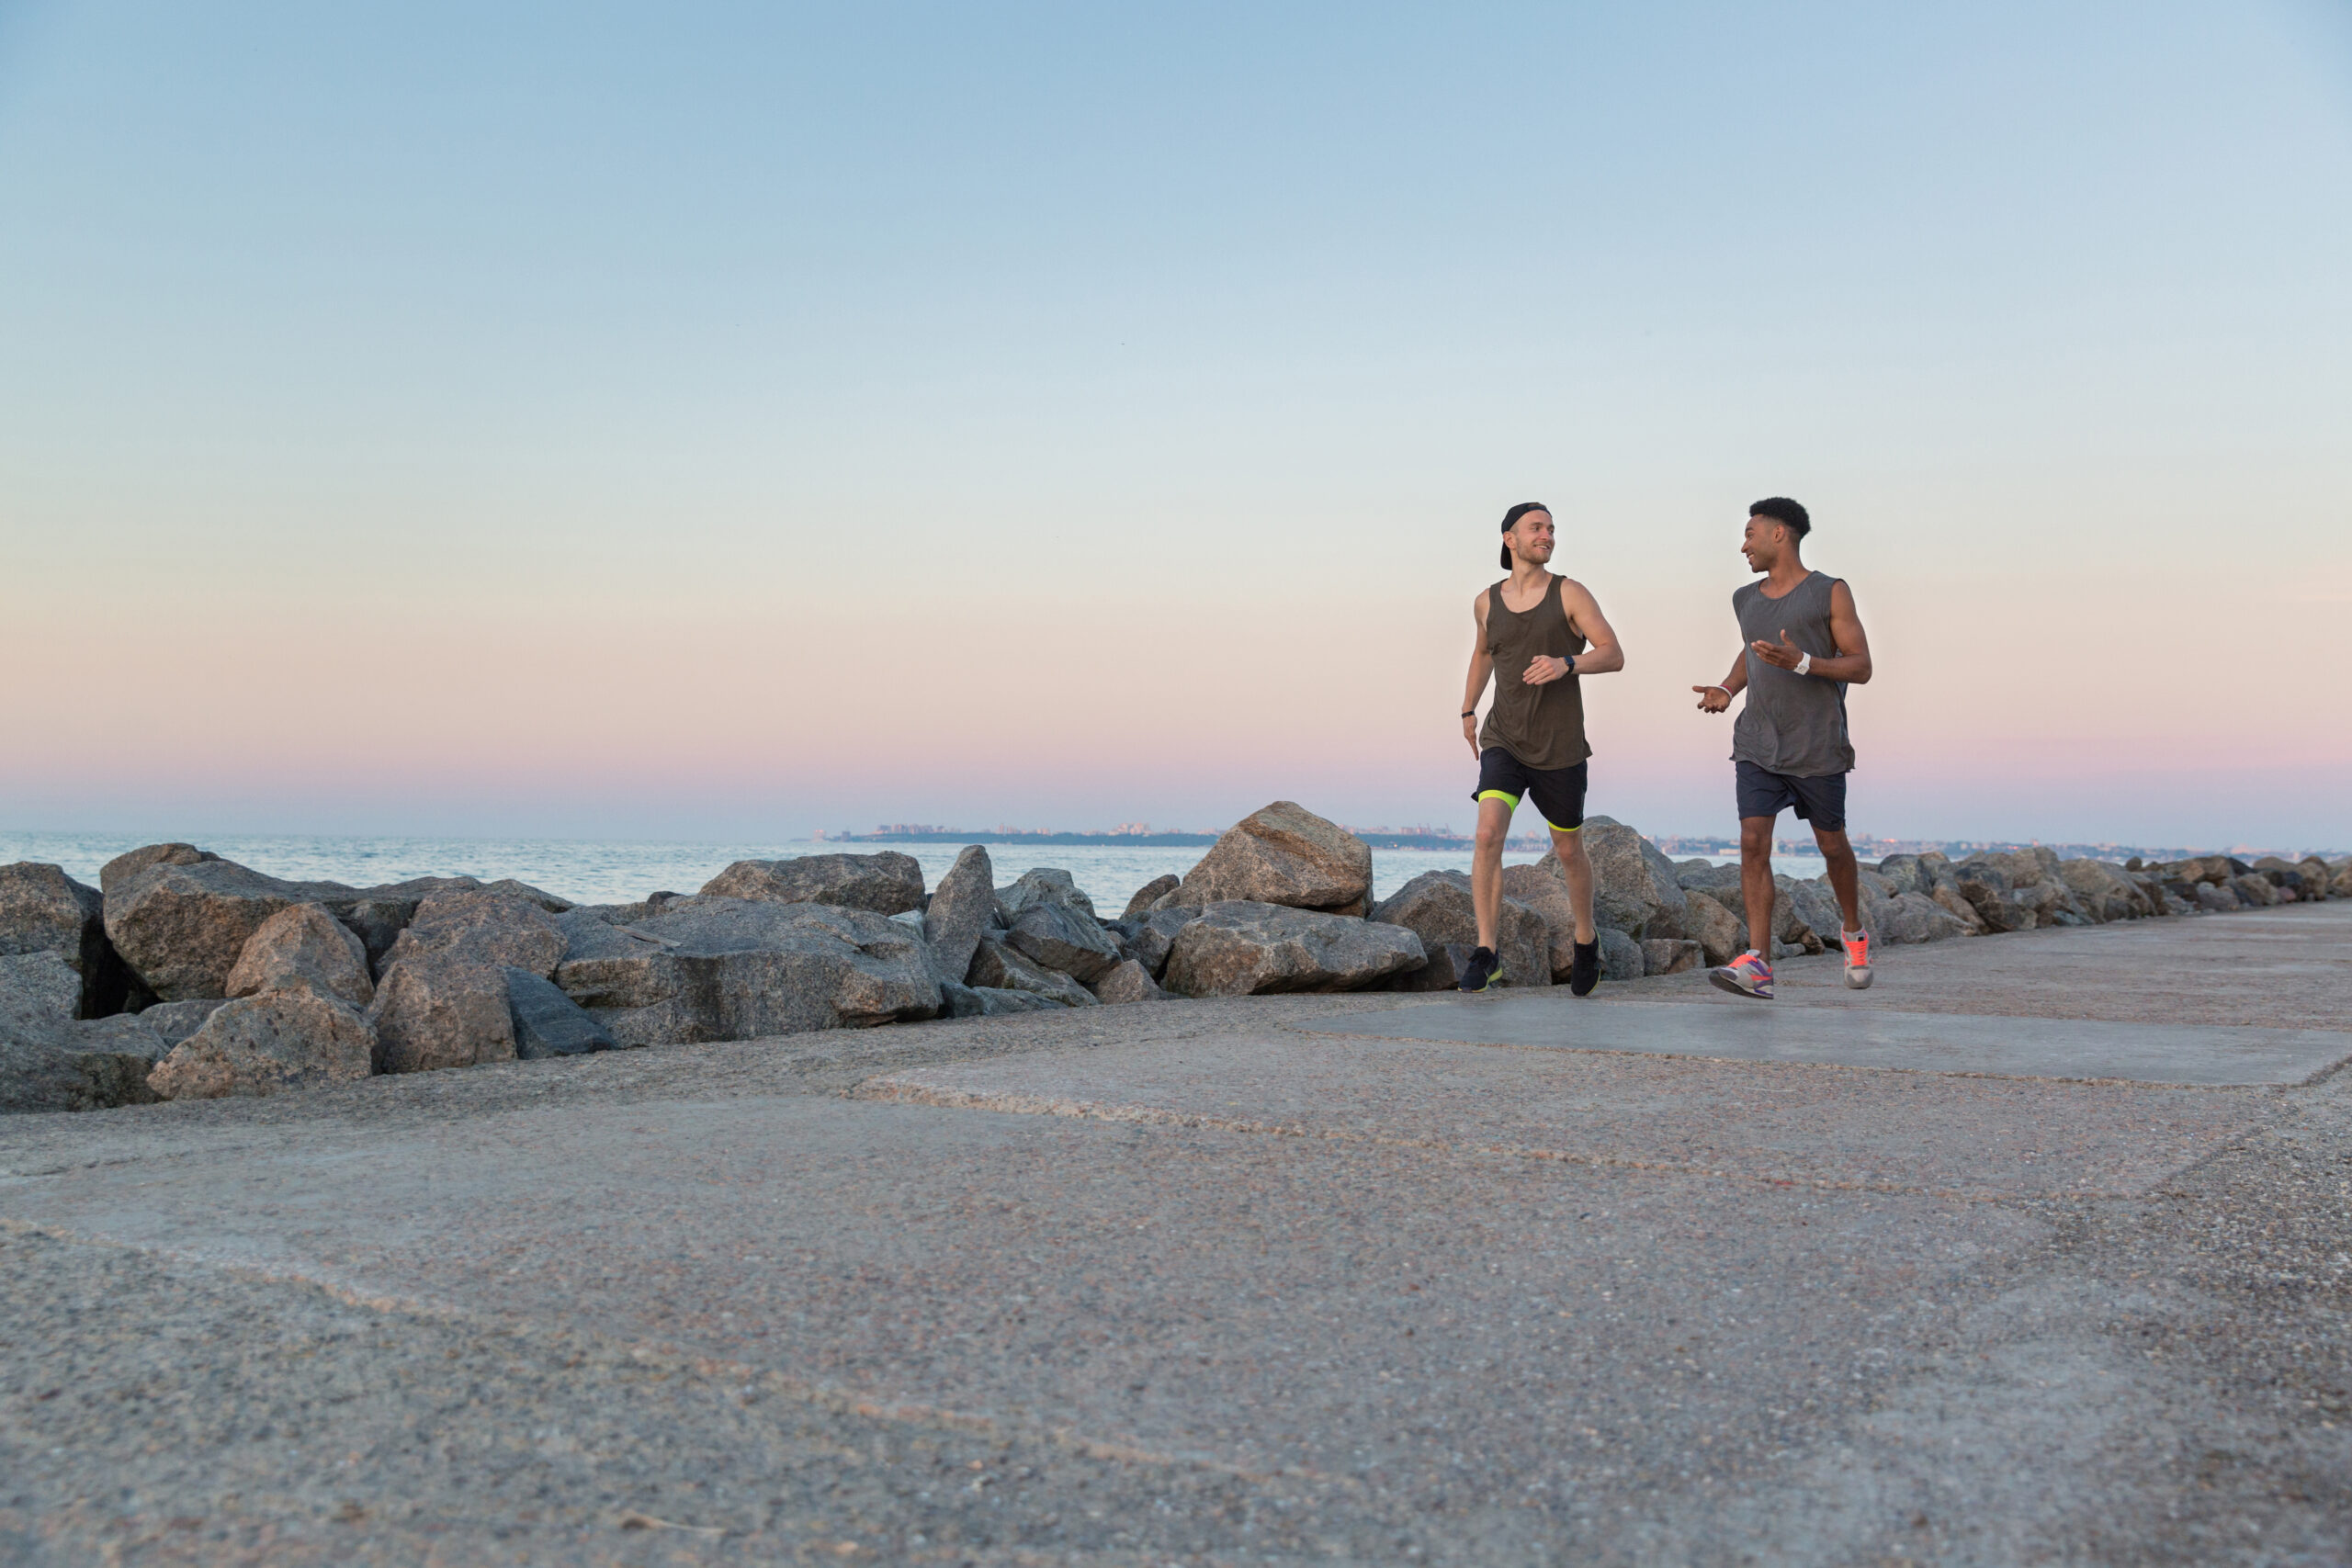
point(623, 871)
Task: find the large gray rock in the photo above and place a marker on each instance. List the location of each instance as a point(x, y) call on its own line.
point(174, 1021)
point(1949, 898)
point(2216, 898)
point(131, 862)
point(377, 916)
point(885, 883)
point(1702, 873)
point(987, 1001)
point(280, 1041)
point(1150, 893)
point(524, 890)
point(438, 1010)
point(44, 910)
point(1539, 887)
point(1621, 956)
point(181, 926)
point(996, 966)
point(1443, 970)
point(2051, 901)
point(1043, 885)
point(1241, 947)
point(1150, 939)
point(1722, 936)
point(961, 909)
point(2253, 891)
point(1436, 907)
point(2339, 885)
point(2317, 876)
point(478, 926)
point(1913, 918)
point(1789, 929)
point(1127, 981)
point(48, 1061)
point(1816, 906)
point(1281, 855)
point(713, 969)
point(548, 1023)
point(1986, 884)
point(304, 946)
point(1634, 887)
point(1670, 955)
point(2104, 892)
point(1060, 937)
point(1907, 873)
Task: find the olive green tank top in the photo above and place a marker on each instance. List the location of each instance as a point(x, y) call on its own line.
point(1542, 726)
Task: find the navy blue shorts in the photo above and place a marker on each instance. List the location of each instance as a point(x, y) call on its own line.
point(1822, 801)
point(1558, 792)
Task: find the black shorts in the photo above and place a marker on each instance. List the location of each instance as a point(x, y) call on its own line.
point(1558, 792)
point(1821, 801)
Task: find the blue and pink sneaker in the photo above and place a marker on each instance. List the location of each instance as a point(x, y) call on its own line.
point(1747, 976)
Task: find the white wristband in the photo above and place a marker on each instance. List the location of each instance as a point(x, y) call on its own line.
point(1724, 690)
point(1804, 665)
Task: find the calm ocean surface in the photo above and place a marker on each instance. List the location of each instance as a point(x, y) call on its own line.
point(616, 872)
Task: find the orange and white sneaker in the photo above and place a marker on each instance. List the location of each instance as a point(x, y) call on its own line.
point(1747, 976)
point(1857, 959)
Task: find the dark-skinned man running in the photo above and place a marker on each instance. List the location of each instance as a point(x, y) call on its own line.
point(1805, 647)
point(1538, 635)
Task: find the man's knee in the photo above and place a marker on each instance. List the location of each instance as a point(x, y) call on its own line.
point(1755, 838)
point(1835, 845)
point(1491, 836)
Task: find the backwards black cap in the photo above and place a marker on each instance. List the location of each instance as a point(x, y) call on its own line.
point(1511, 518)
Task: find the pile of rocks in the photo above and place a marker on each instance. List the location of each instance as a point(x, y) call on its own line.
point(184, 975)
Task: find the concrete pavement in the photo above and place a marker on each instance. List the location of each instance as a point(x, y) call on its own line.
point(1340, 1278)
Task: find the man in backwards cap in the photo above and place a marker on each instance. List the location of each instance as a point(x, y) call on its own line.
point(1538, 636)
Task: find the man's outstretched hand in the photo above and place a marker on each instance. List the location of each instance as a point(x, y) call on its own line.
point(1712, 699)
point(1782, 653)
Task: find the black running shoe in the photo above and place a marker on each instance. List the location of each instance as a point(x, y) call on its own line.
point(1584, 970)
point(1484, 970)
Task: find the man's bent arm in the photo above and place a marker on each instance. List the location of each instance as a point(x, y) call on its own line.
point(1852, 664)
point(1605, 655)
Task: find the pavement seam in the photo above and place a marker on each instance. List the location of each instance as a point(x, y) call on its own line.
point(1314, 1033)
point(891, 1091)
point(674, 1359)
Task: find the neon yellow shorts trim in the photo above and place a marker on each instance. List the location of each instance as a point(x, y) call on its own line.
point(1513, 801)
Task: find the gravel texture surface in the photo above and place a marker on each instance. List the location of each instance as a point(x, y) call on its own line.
point(1182, 1283)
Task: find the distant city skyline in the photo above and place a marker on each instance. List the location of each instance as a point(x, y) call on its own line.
point(721, 422)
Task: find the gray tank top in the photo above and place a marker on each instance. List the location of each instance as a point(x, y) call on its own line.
point(1542, 726)
point(1792, 724)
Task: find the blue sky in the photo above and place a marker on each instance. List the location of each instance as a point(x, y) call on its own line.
point(707, 421)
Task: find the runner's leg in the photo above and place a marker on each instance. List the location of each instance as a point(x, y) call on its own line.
point(1843, 880)
point(1756, 880)
point(1486, 869)
point(1578, 868)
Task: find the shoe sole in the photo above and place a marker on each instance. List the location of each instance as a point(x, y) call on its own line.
point(1857, 979)
point(1722, 981)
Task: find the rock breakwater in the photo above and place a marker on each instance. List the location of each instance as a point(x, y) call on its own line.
point(185, 975)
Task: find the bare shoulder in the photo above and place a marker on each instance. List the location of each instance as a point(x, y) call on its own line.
point(1575, 593)
point(1842, 596)
point(1478, 604)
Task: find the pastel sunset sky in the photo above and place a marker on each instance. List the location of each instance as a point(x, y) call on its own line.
point(703, 421)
